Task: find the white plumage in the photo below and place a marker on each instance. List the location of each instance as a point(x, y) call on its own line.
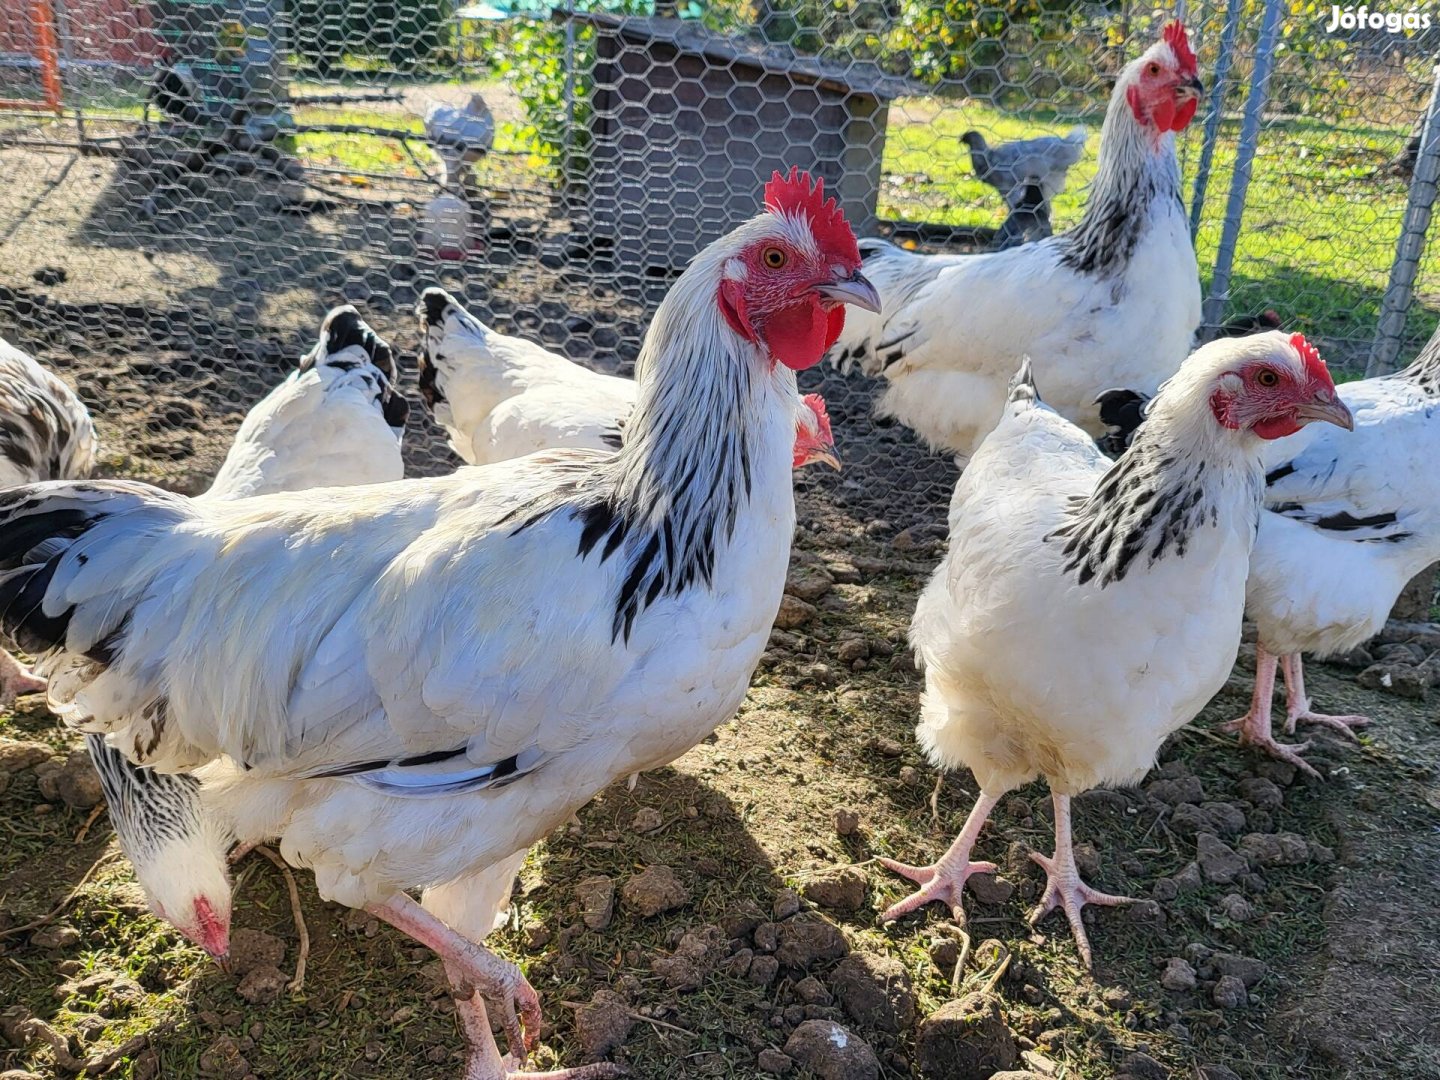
point(414, 681)
point(1113, 302)
point(460, 136)
point(1085, 610)
point(501, 397)
point(1353, 518)
point(45, 431)
point(336, 420)
point(45, 434)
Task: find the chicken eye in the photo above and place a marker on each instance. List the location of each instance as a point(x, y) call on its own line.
point(774, 258)
point(1152, 68)
point(1267, 378)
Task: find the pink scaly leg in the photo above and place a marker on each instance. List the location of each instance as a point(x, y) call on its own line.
point(945, 878)
point(240, 850)
point(16, 680)
point(485, 1063)
point(1254, 726)
point(1297, 704)
point(475, 971)
point(1064, 889)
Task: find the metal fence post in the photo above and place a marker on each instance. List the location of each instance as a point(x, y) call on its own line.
point(1217, 107)
point(1411, 245)
point(1244, 158)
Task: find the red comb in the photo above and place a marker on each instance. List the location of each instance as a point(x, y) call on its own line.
point(1179, 43)
point(798, 194)
point(1311, 357)
point(816, 404)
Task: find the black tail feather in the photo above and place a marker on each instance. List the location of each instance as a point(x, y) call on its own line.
point(19, 539)
point(1122, 412)
point(22, 595)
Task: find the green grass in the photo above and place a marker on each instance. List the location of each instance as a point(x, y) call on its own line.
point(1318, 233)
point(1319, 228)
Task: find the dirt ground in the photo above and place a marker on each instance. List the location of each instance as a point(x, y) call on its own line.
point(1331, 925)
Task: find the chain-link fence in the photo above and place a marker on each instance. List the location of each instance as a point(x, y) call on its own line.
point(186, 187)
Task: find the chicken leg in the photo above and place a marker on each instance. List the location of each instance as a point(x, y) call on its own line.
point(475, 971)
point(15, 679)
point(1297, 704)
point(945, 878)
point(1254, 727)
point(1064, 889)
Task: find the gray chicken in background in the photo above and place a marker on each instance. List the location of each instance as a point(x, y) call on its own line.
point(1029, 219)
point(1010, 167)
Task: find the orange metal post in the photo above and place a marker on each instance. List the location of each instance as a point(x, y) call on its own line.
point(47, 51)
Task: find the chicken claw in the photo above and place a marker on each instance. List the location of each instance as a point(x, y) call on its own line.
point(937, 882)
point(1064, 889)
point(473, 971)
point(1254, 727)
point(1297, 707)
point(16, 680)
point(945, 878)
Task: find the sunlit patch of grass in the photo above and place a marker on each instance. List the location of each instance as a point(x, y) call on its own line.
point(1319, 229)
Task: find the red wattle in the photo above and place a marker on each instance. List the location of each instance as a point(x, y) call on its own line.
point(1164, 114)
point(1276, 427)
point(1183, 115)
point(837, 326)
point(799, 335)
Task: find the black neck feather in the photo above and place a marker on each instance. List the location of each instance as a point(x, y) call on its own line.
point(1146, 508)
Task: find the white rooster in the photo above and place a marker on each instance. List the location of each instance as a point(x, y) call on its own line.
point(1353, 519)
point(1049, 541)
point(337, 420)
point(1113, 302)
point(410, 682)
point(45, 434)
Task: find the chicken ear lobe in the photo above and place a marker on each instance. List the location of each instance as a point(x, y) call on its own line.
point(732, 306)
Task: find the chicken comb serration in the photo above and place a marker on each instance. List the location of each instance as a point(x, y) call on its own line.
point(1179, 43)
point(1310, 356)
point(799, 194)
point(816, 404)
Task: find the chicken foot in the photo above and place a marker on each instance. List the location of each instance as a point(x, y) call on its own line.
point(1297, 704)
point(477, 973)
point(485, 1063)
point(945, 878)
point(1255, 728)
point(1064, 889)
point(16, 679)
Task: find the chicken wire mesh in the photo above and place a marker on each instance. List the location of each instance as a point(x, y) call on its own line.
point(214, 176)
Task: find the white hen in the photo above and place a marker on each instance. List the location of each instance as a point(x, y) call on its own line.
point(460, 137)
point(411, 682)
point(1354, 518)
point(1113, 302)
point(501, 397)
point(336, 420)
point(45, 434)
point(1050, 544)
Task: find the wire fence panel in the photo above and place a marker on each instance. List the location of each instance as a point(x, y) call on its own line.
point(223, 173)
